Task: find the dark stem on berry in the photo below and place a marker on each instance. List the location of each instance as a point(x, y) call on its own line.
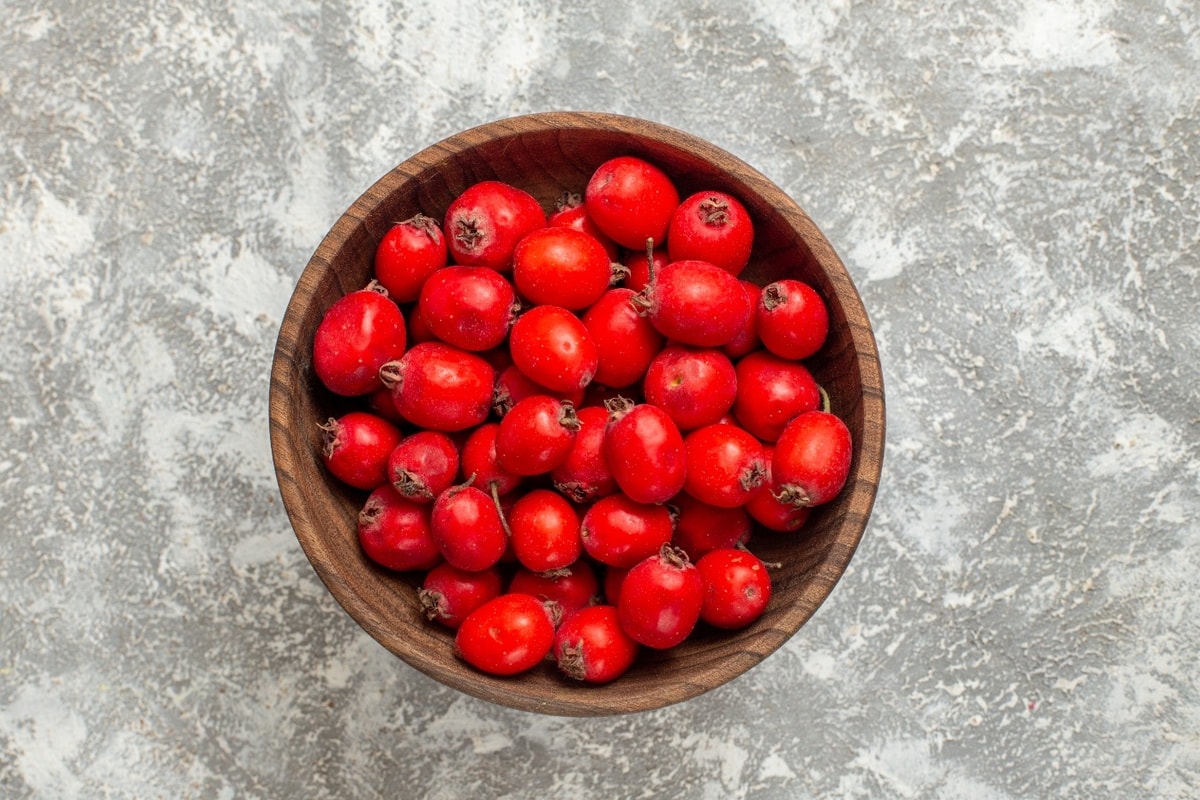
point(499, 508)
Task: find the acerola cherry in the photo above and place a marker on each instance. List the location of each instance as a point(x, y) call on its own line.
point(423, 465)
point(625, 340)
point(506, 635)
point(661, 599)
point(590, 645)
point(713, 227)
point(696, 303)
point(544, 530)
point(695, 386)
point(468, 307)
point(561, 267)
point(440, 387)
point(619, 532)
point(359, 333)
point(737, 588)
point(793, 320)
point(467, 528)
point(484, 224)
point(812, 458)
point(645, 451)
point(585, 476)
point(357, 446)
point(536, 435)
point(552, 347)
point(448, 594)
point(394, 532)
point(725, 465)
point(631, 200)
point(407, 255)
point(770, 391)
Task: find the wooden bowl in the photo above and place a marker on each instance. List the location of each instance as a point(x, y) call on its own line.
point(548, 154)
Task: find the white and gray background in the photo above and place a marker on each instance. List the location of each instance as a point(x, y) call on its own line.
point(1013, 184)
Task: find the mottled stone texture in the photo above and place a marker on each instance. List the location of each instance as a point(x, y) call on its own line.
point(1013, 184)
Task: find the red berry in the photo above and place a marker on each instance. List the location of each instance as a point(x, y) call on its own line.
point(467, 528)
point(513, 386)
point(767, 510)
point(544, 531)
point(506, 635)
point(746, 340)
point(695, 386)
point(536, 435)
point(585, 476)
point(631, 201)
point(792, 319)
point(590, 645)
point(737, 588)
point(625, 340)
point(812, 458)
point(700, 527)
point(480, 465)
point(725, 465)
point(468, 307)
point(359, 333)
point(561, 267)
point(441, 387)
point(619, 532)
point(770, 391)
point(570, 212)
point(553, 347)
point(713, 227)
point(661, 598)
point(564, 590)
point(394, 532)
point(484, 224)
point(407, 255)
point(448, 594)
point(423, 465)
point(697, 303)
point(356, 447)
point(644, 450)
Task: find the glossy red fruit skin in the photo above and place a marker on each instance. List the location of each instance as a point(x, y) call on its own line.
point(812, 458)
point(645, 452)
point(356, 447)
point(536, 435)
point(407, 255)
point(714, 227)
point(440, 387)
point(564, 591)
point(561, 266)
point(619, 532)
point(484, 224)
point(793, 320)
point(479, 463)
point(467, 528)
point(638, 267)
point(695, 386)
point(661, 598)
point(737, 588)
point(570, 212)
point(726, 466)
point(613, 578)
point(585, 476)
point(625, 340)
point(697, 303)
point(701, 528)
point(553, 347)
point(359, 333)
point(591, 646)
point(394, 532)
point(423, 465)
point(513, 386)
point(771, 391)
point(471, 308)
point(746, 341)
point(448, 594)
point(507, 635)
point(544, 531)
point(766, 509)
point(631, 200)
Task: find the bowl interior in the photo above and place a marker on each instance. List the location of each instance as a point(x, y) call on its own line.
point(547, 155)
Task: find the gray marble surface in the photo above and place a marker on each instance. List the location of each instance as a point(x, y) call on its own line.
point(1012, 183)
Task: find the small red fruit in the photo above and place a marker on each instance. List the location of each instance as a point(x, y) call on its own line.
point(468, 307)
point(484, 224)
point(448, 594)
point(812, 458)
point(553, 347)
point(564, 591)
point(713, 227)
point(544, 530)
point(591, 646)
point(737, 588)
point(560, 266)
point(357, 446)
point(625, 340)
point(467, 528)
point(766, 509)
point(440, 387)
point(619, 532)
point(645, 451)
point(696, 303)
point(725, 465)
point(506, 635)
point(407, 255)
point(394, 532)
point(423, 465)
point(661, 599)
point(770, 391)
point(793, 321)
point(631, 200)
point(700, 527)
point(359, 333)
point(536, 435)
point(585, 476)
point(695, 386)
point(570, 212)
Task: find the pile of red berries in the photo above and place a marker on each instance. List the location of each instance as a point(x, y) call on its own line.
point(570, 423)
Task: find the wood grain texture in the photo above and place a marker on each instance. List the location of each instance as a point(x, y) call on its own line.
point(548, 154)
